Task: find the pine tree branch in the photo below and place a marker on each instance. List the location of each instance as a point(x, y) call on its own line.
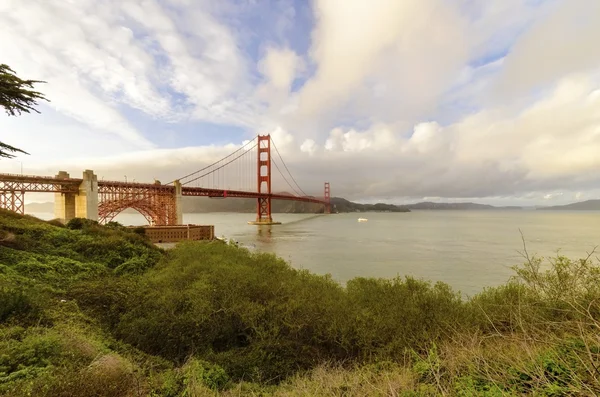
point(16, 97)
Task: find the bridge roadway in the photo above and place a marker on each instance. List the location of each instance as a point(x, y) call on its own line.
point(48, 184)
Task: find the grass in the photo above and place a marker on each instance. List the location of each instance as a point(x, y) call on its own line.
point(93, 310)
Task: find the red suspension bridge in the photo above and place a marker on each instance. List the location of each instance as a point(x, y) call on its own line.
point(245, 173)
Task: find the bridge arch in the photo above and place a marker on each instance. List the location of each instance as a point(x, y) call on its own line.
point(109, 210)
point(156, 205)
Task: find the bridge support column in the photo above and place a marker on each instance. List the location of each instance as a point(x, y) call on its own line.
point(263, 204)
point(178, 208)
point(64, 203)
point(86, 201)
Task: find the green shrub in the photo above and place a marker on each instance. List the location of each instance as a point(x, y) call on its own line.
point(260, 319)
point(57, 223)
point(134, 265)
point(209, 375)
point(392, 315)
point(16, 302)
point(114, 225)
point(26, 358)
point(81, 223)
point(506, 308)
point(106, 298)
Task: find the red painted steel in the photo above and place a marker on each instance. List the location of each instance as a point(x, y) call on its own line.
point(327, 197)
point(204, 192)
point(43, 184)
point(13, 188)
point(154, 201)
point(263, 203)
point(13, 200)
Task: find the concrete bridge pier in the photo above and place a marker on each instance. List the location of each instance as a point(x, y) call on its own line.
point(64, 203)
point(83, 204)
point(86, 202)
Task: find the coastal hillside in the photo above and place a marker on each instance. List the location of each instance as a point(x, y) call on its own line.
point(589, 205)
point(426, 205)
point(343, 205)
point(93, 310)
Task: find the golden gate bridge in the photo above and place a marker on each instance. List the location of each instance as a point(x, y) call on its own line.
point(244, 173)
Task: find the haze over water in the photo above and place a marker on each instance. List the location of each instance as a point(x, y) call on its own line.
point(469, 250)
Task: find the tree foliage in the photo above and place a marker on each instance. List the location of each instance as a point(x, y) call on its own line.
point(16, 96)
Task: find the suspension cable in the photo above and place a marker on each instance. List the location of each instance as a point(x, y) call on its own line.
point(216, 169)
point(216, 162)
point(284, 178)
point(277, 150)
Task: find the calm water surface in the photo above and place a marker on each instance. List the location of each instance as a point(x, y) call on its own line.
point(466, 249)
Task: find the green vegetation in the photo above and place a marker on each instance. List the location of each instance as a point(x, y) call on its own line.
point(91, 310)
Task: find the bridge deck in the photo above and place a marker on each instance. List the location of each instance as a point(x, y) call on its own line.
point(38, 184)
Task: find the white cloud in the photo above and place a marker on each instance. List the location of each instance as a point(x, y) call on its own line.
point(489, 154)
point(384, 60)
point(549, 147)
point(50, 136)
point(204, 63)
point(499, 23)
point(309, 146)
point(97, 56)
point(82, 56)
point(563, 42)
point(280, 66)
point(383, 79)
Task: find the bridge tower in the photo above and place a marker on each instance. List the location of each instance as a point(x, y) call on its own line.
point(263, 204)
point(327, 197)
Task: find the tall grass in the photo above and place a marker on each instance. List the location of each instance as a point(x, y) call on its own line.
point(91, 310)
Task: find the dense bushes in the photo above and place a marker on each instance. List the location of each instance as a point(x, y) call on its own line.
point(263, 321)
point(18, 303)
point(96, 310)
point(56, 256)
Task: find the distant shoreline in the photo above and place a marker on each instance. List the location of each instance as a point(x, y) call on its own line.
point(340, 205)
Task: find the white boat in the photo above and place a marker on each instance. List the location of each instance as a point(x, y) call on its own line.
point(362, 219)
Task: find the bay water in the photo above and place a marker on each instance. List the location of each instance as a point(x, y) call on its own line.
point(469, 250)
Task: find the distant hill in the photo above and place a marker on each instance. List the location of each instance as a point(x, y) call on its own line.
point(39, 207)
point(342, 205)
point(426, 205)
point(589, 205)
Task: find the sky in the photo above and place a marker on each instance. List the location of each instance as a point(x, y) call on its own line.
point(492, 101)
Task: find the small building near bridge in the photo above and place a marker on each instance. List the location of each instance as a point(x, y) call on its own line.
point(176, 233)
